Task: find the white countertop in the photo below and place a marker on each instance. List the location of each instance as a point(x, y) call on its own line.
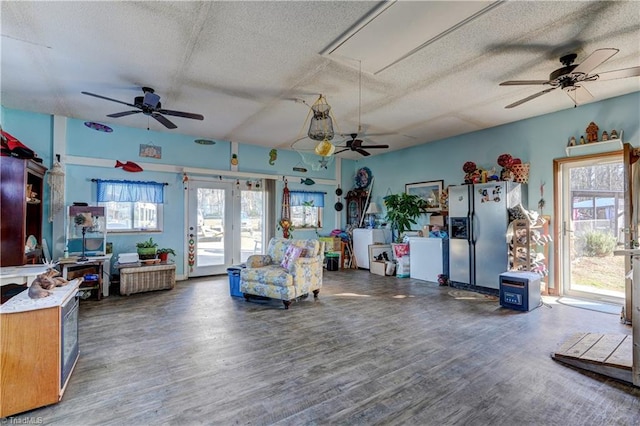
point(22, 271)
point(23, 303)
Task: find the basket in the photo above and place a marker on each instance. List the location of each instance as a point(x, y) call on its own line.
point(520, 172)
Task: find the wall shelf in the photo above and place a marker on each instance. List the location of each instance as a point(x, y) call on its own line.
point(594, 147)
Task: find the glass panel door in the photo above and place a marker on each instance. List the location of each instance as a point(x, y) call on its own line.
point(251, 224)
point(210, 239)
point(593, 227)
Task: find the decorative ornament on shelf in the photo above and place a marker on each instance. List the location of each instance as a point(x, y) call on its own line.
point(605, 136)
point(614, 134)
point(592, 132)
point(582, 141)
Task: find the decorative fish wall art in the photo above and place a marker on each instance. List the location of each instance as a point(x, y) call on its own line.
point(308, 181)
point(129, 166)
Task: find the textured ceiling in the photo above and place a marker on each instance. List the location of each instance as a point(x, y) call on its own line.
point(242, 64)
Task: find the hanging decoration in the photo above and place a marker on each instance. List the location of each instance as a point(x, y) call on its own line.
point(273, 156)
point(129, 166)
point(56, 182)
point(319, 134)
point(98, 126)
point(285, 220)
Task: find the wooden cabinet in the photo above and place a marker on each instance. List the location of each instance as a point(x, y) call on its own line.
point(21, 206)
point(38, 349)
point(356, 200)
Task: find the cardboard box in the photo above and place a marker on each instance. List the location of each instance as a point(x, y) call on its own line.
point(377, 268)
point(436, 219)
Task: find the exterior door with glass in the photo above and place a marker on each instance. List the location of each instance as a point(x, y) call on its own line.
point(209, 228)
point(592, 200)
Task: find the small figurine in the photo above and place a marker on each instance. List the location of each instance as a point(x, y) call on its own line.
point(592, 132)
point(234, 159)
point(582, 141)
point(614, 134)
point(605, 136)
point(572, 141)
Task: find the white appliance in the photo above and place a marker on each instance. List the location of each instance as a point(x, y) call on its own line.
point(478, 221)
point(429, 258)
point(363, 238)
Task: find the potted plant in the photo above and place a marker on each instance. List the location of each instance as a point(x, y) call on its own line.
point(402, 211)
point(147, 249)
point(163, 254)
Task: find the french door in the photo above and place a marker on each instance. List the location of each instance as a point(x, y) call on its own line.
point(225, 225)
point(209, 230)
point(591, 196)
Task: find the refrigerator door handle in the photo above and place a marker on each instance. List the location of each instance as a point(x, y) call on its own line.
point(472, 234)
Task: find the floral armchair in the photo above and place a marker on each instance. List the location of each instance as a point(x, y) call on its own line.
point(290, 269)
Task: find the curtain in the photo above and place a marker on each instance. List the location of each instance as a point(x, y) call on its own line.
point(307, 198)
point(270, 218)
point(130, 191)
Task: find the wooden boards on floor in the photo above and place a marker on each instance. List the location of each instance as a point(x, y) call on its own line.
point(607, 354)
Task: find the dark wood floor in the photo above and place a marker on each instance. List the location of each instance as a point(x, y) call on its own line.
point(371, 350)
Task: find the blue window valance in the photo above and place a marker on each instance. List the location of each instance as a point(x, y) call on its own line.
point(307, 198)
point(130, 191)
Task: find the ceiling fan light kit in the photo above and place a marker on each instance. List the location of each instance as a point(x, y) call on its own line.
point(571, 76)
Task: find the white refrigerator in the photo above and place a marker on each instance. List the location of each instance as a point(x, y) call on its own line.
point(363, 238)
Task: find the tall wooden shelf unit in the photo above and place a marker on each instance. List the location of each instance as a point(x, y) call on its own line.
point(21, 205)
point(530, 251)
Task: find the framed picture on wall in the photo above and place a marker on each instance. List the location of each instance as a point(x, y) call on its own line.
point(428, 191)
point(151, 151)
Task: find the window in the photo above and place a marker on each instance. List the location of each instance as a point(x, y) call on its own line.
point(306, 209)
point(131, 206)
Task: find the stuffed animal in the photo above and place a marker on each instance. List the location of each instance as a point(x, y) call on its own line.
point(41, 286)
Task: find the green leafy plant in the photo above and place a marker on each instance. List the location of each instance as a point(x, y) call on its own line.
point(166, 250)
point(599, 244)
point(147, 244)
point(402, 211)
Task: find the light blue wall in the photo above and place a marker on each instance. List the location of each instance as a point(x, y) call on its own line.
point(537, 141)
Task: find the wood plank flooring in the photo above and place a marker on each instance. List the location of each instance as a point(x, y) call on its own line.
point(371, 350)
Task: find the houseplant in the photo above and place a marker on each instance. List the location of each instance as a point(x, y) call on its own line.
point(402, 211)
point(163, 254)
point(147, 249)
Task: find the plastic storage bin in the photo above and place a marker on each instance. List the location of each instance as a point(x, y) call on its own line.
point(234, 281)
point(332, 261)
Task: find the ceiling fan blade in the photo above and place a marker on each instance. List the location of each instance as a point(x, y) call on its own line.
point(523, 82)
point(108, 99)
point(164, 121)
point(362, 152)
point(123, 114)
point(579, 94)
point(593, 60)
point(528, 98)
point(375, 146)
point(342, 150)
point(624, 73)
point(181, 114)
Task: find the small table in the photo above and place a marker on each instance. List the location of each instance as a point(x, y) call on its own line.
point(94, 266)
